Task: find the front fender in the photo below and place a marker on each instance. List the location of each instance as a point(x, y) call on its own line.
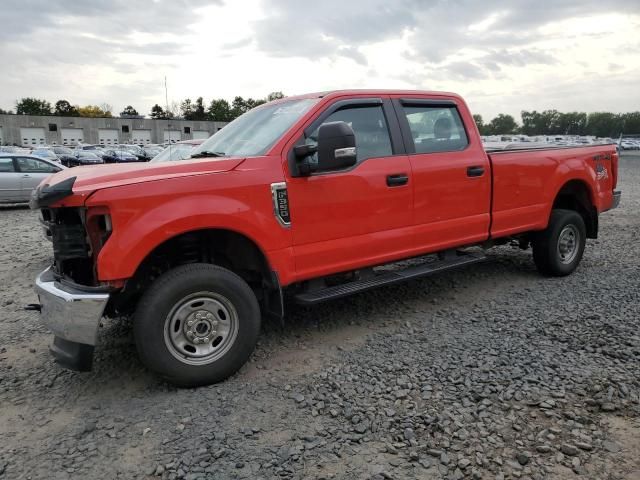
point(143, 219)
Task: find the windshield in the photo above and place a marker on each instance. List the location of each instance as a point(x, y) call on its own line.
point(180, 151)
point(257, 130)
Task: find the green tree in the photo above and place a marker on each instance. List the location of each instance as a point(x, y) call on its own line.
point(477, 118)
point(157, 112)
point(199, 112)
point(547, 122)
point(604, 124)
point(572, 123)
point(219, 110)
point(4, 112)
point(275, 96)
point(251, 103)
point(502, 124)
point(631, 122)
point(33, 106)
point(65, 109)
point(238, 107)
point(93, 111)
point(186, 109)
point(129, 111)
point(530, 123)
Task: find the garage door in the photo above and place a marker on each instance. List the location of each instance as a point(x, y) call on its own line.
point(72, 136)
point(173, 135)
point(32, 136)
point(108, 137)
point(200, 134)
point(141, 137)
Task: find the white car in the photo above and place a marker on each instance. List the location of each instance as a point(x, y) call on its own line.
point(19, 174)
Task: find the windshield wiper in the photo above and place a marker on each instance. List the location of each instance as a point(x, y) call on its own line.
point(207, 154)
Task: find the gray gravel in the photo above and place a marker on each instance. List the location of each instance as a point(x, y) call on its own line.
point(489, 372)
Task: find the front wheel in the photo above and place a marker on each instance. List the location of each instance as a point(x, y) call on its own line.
point(197, 324)
point(557, 251)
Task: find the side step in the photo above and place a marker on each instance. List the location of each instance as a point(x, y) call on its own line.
point(450, 262)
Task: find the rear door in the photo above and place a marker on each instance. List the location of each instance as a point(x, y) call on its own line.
point(10, 189)
point(451, 173)
point(361, 215)
point(32, 172)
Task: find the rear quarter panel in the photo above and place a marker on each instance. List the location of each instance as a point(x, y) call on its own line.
point(526, 183)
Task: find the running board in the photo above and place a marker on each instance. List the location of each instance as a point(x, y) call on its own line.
point(450, 262)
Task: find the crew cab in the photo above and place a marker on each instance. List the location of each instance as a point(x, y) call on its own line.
point(309, 197)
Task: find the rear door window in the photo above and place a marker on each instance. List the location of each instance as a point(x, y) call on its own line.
point(436, 128)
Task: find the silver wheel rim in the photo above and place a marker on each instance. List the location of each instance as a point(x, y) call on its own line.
point(201, 328)
point(568, 244)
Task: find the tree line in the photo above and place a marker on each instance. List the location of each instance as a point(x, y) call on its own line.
point(553, 122)
point(218, 109)
point(547, 122)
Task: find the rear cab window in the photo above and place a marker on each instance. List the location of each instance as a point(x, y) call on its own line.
point(435, 128)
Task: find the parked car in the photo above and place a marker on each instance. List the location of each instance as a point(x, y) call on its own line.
point(20, 174)
point(64, 154)
point(84, 157)
point(95, 149)
point(137, 151)
point(151, 152)
point(47, 153)
point(629, 145)
point(13, 149)
point(119, 156)
point(309, 197)
point(178, 151)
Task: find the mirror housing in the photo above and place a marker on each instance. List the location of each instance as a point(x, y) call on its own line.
point(336, 146)
point(336, 150)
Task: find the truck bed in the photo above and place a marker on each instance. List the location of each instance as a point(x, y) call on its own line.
point(526, 181)
point(534, 146)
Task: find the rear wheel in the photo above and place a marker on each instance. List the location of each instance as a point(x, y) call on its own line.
point(197, 324)
point(557, 251)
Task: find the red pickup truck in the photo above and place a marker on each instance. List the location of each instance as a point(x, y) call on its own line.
point(309, 197)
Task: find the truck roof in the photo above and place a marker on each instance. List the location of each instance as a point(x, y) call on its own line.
point(347, 92)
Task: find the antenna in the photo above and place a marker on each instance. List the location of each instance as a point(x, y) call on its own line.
point(166, 105)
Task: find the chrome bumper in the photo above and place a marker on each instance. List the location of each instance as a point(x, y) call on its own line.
point(617, 194)
point(72, 314)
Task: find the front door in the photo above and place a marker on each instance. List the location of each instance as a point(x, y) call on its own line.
point(9, 181)
point(451, 174)
point(360, 216)
point(32, 172)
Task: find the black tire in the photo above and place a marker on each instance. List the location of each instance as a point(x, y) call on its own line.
point(157, 309)
point(546, 251)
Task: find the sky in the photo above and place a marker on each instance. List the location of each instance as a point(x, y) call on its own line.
point(503, 56)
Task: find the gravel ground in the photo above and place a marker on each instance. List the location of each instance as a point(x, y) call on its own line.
point(488, 372)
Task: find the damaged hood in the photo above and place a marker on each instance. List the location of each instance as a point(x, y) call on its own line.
point(83, 181)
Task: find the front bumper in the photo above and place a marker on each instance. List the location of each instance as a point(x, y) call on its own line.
point(73, 315)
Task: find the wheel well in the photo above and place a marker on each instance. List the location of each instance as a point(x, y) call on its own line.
point(575, 195)
point(225, 248)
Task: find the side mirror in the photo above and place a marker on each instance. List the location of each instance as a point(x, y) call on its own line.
point(336, 146)
point(336, 149)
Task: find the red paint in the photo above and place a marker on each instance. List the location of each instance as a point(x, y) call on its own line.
point(339, 221)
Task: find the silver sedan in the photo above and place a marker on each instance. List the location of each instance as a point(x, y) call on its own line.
point(19, 174)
